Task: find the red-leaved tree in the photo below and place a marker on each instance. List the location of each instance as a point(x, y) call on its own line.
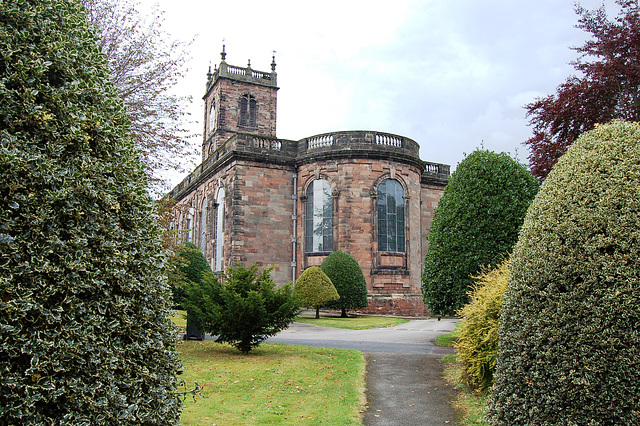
point(608, 86)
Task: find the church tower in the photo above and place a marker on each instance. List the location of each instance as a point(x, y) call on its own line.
point(238, 100)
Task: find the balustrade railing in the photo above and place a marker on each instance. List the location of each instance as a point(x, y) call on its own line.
point(286, 149)
point(389, 140)
point(319, 141)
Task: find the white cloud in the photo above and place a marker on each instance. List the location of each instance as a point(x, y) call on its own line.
point(449, 75)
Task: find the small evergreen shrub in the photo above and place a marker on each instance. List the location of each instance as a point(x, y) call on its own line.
point(477, 342)
point(570, 323)
point(346, 275)
point(474, 226)
point(85, 337)
point(242, 308)
point(314, 288)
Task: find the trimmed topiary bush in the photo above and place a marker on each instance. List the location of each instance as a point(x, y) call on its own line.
point(477, 341)
point(570, 325)
point(243, 308)
point(347, 277)
point(85, 335)
point(314, 288)
point(474, 226)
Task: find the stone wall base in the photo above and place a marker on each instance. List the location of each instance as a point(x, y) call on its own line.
point(406, 305)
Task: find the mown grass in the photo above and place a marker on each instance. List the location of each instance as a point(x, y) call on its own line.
point(180, 320)
point(274, 384)
point(468, 404)
point(352, 323)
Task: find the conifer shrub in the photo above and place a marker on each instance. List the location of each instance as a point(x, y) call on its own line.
point(85, 334)
point(346, 275)
point(314, 288)
point(477, 342)
point(242, 307)
point(570, 322)
point(475, 225)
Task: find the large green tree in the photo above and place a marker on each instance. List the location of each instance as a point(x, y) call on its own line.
point(570, 324)
point(85, 335)
point(475, 225)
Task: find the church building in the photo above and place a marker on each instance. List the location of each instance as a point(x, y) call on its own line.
point(290, 203)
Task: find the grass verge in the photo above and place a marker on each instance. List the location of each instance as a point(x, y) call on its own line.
point(468, 404)
point(274, 384)
point(180, 320)
point(353, 323)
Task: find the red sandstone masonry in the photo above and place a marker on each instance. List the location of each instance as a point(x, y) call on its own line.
point(257, 172)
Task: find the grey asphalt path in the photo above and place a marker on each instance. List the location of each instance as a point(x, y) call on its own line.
point(404, 372)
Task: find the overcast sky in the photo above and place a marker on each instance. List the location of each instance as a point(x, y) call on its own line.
point(450, 74)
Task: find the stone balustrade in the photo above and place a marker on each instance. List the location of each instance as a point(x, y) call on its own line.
point(350, 143)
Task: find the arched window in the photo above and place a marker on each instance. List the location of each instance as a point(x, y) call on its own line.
point(189, 239)
point(203, 226)
point(219, 229)
point(391, 216)
point(212, 118)
point(248, 111)
point(318, 217)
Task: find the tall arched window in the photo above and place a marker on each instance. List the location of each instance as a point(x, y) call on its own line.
point(248, 111)
point(219, 229)
point(212, 118)
point(318, 229)
point(391, 216)
point(190, 226)
point(203, 226)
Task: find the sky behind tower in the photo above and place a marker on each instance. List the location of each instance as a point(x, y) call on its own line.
point(453, 75)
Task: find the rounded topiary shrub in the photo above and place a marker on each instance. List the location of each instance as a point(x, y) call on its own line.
point(85, 335)
point(569, 346)
point(314, 288)
point(474, 226)
point(477, 341)
point(346, 275)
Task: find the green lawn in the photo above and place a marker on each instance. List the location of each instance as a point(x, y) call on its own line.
point(354, 323)
point(274, 384)
point(180, 320)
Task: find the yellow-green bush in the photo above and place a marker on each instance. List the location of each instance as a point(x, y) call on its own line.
point(477, 342)
point(314, 288)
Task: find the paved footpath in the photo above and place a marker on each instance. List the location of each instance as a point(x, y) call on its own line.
point(403, 374)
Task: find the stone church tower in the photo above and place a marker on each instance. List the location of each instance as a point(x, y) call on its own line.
point(231, 104)
point(289, 204)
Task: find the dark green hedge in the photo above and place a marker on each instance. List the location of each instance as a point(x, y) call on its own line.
point(190, 265)
point(569, 342)
point(85, 337)
point(475, 225)
point(346, 275)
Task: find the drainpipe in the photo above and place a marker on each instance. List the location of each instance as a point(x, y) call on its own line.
point(294, 219)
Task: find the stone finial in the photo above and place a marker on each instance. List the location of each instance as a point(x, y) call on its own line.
point(273, 62)
point(223, 54)
point(249, 63)
point(209, 75)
